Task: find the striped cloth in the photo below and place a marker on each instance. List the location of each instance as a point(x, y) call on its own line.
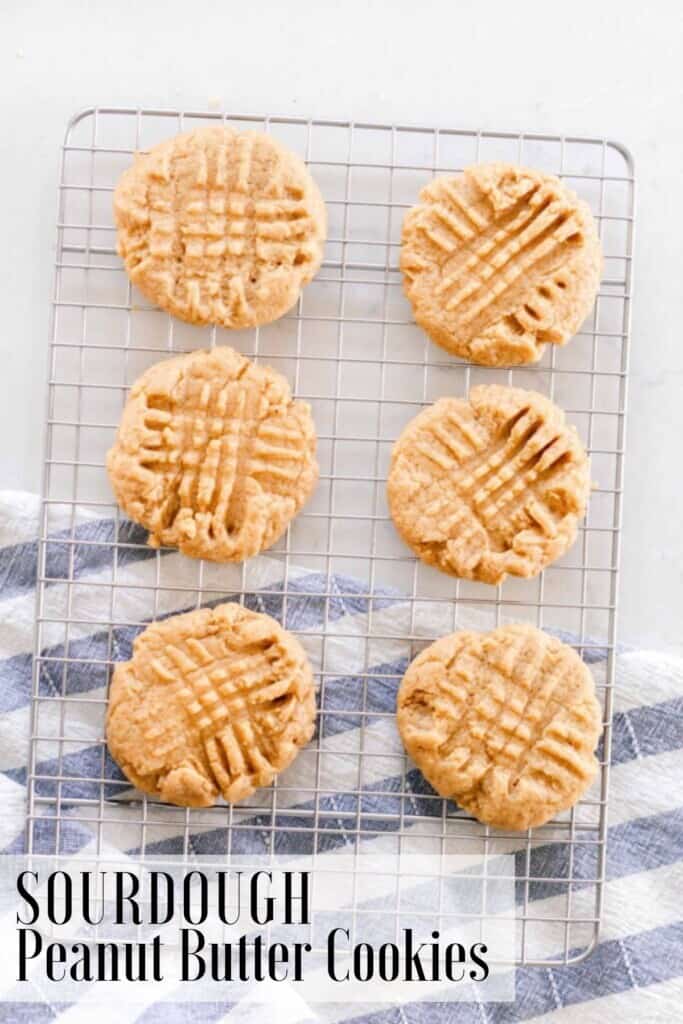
point(634, 975)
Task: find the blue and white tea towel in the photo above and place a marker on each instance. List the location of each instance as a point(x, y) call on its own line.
point(635, 974)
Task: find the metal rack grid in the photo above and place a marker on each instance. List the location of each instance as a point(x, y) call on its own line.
point(352, 350)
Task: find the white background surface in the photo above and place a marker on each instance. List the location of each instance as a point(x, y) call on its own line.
point(610, 69)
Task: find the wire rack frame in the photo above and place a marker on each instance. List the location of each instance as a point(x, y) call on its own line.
point(352, 350)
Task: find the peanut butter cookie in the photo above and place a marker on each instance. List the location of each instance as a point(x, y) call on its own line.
point(492, 485)
point(213, 455)
point(213, 702)
point(500, 261)
point(505, 723)
point(220, 227)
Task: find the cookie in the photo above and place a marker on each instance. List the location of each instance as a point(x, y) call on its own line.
point(492, 485)
point(500, 261)
point(220, 227)
point(505, 723)
point(213, 455)
point(213, 702)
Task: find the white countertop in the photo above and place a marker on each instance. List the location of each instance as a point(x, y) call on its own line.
point(607, 69)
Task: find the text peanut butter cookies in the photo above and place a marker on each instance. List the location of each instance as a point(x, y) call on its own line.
point(213, 455)
point(504, 723)
point(219, 226)
point(491, 485)
point(500, 261)
point(213, 702)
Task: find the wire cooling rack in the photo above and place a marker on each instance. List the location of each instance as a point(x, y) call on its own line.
point(352, 350)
